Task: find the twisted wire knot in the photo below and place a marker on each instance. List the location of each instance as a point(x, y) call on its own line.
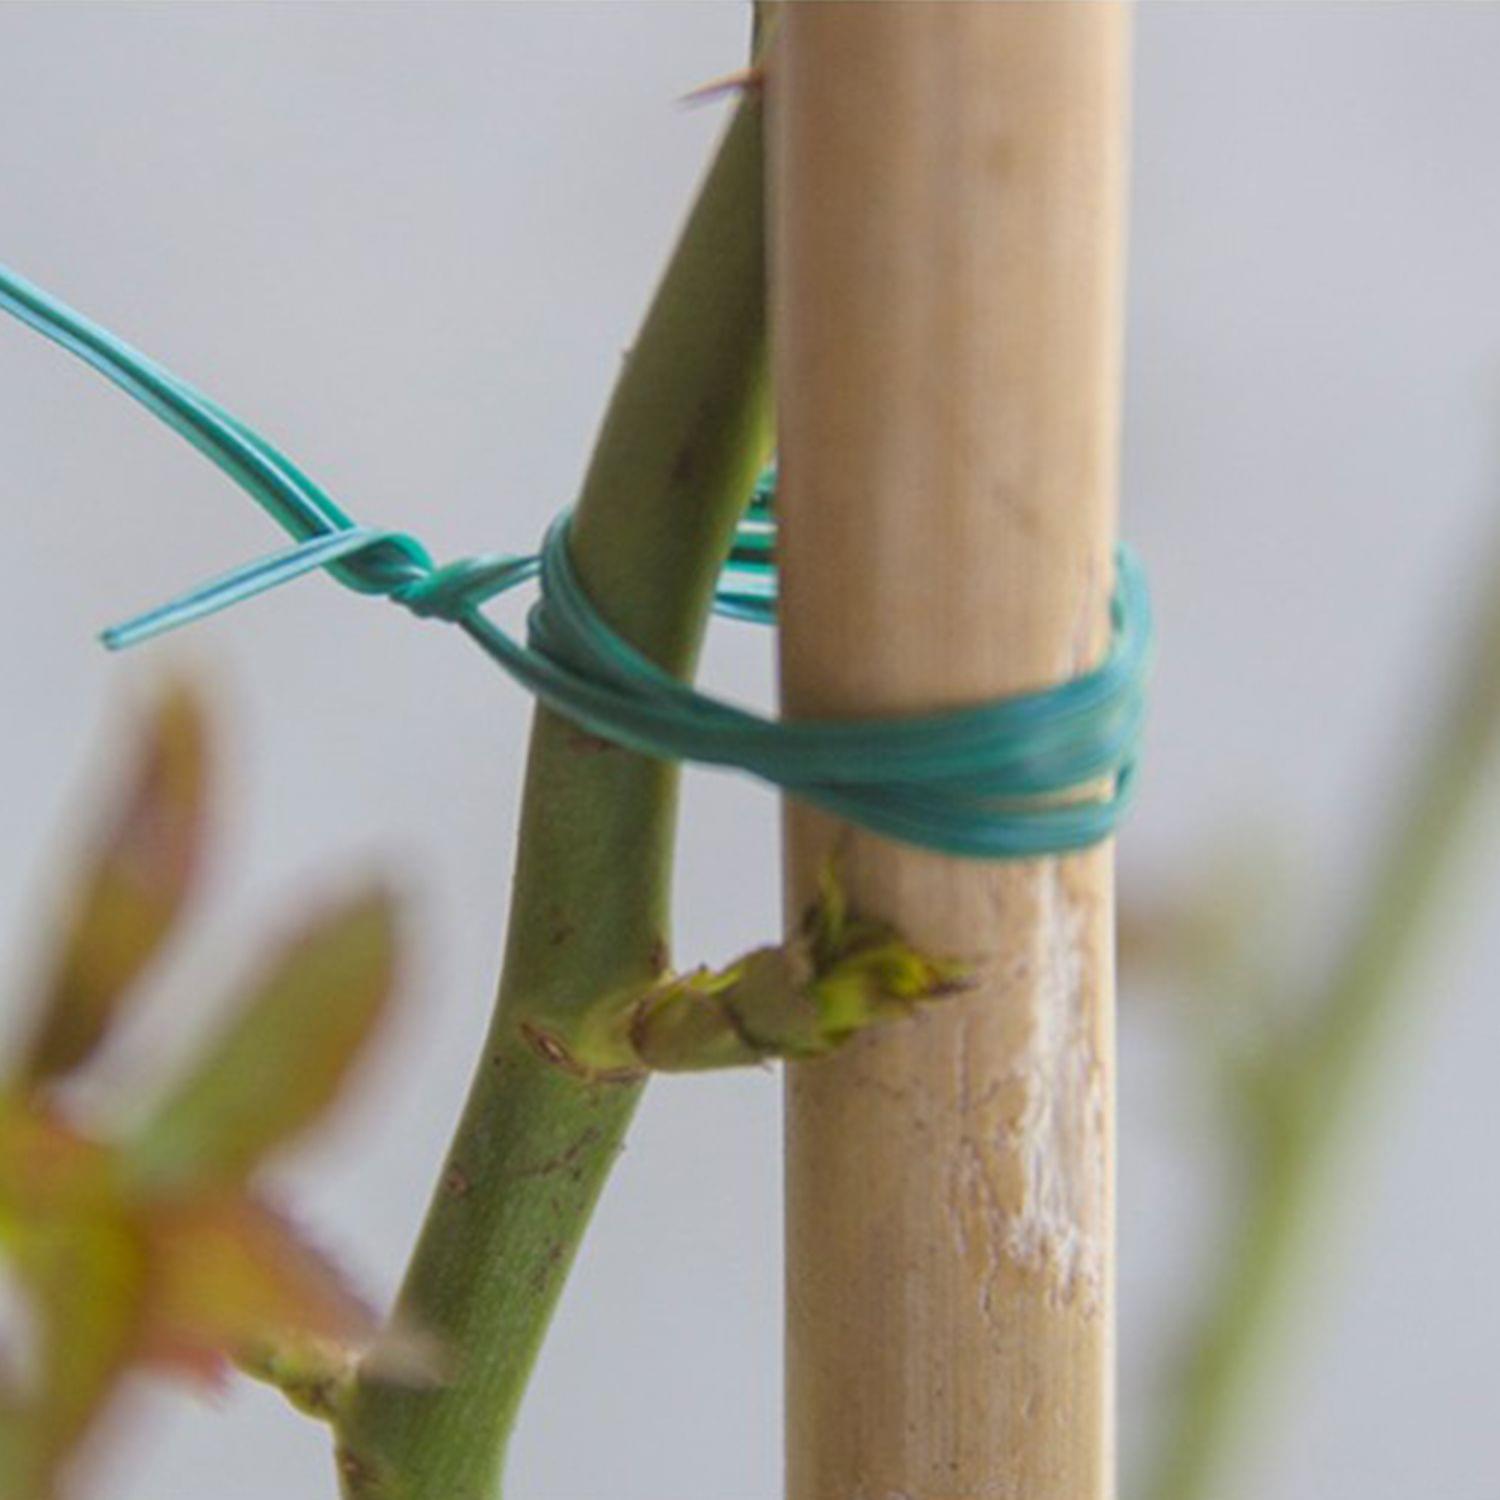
point(1010, 779)
point(452, 590)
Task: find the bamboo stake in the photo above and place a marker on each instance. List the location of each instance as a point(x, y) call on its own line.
point(947, 209)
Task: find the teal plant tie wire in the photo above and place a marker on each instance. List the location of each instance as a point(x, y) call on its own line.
point(1010, 779)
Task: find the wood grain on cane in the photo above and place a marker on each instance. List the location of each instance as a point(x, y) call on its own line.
point(947, 186)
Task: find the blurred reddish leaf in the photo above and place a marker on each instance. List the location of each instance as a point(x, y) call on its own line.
point(155, 1250)
point(116, 1277)
point(231, 1278)
point(130, 893)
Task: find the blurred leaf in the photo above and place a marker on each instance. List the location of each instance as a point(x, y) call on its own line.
point(130, 893)
point(283, 1056)
point(80, 1267)
point(84, 1275)
point(153, 1250)
point(48, 1172)
point(114, 1277)
point(233, 1279)
point(85, 1278)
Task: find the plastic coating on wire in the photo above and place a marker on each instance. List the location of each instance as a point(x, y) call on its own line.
point(1039, 773)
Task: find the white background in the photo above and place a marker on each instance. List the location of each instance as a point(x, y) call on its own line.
point(409, 243)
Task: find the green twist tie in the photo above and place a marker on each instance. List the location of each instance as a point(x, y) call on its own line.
point(1010, 779)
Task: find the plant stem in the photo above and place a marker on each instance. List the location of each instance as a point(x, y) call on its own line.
point(685, 433)
point(1310, 1094)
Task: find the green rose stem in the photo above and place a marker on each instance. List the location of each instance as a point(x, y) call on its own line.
point(1304, 1100)
point(685, 434)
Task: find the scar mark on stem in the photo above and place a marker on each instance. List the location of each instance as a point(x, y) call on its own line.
point(658, 956)
point(568, 1161)
point(550, 1049)
point(583, 743)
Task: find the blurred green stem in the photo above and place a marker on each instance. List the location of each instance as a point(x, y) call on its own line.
point(686, 432)
point(1307, 1096)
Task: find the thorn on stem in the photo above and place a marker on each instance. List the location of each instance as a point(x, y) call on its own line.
point(743, 81)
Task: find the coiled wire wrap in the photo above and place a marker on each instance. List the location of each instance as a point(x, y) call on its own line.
point(1009, 779)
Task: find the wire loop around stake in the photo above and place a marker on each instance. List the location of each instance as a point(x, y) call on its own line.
point(1009, 779)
